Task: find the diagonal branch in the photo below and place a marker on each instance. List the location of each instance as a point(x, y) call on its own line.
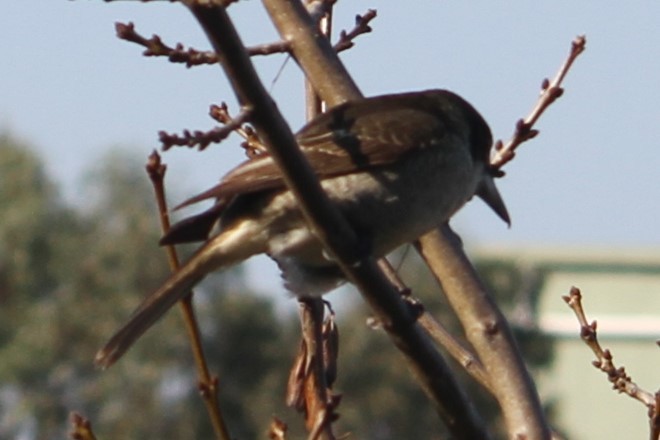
point(252, 144)
point(620, 380)
point(617, 376)
point(550, 92)
point(361, 27)
point(208, 383)
point(154, 47)
point(488, 332)
point(202, 139)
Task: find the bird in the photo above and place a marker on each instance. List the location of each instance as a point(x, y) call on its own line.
point(396, 166)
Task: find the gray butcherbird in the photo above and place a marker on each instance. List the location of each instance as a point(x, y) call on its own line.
point(396, 166)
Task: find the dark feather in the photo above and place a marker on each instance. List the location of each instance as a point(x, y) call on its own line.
point(194, 228)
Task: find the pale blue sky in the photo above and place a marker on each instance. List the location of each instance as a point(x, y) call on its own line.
point(73, 90)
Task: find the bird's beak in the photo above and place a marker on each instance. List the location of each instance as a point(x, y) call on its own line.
point(489, 194)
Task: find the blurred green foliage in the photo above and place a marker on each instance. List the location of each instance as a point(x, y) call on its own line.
point(69, 275)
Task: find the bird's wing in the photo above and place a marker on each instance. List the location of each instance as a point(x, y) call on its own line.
point(356, 135)
point(370, 132)
point(359, 134)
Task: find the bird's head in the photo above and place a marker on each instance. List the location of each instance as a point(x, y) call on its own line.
point(468, 120)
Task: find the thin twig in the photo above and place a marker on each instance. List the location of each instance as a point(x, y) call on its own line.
point(156, 48)
point(620, 380)
point(269, 48)
point(252, 144)
point(202, 139)
point(361, 27)
point(462, 354)
point(208, 384)
point(550, 91)
point(443, 337)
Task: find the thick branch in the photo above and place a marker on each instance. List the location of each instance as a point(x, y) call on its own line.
point(488, 332)
point(312, 51)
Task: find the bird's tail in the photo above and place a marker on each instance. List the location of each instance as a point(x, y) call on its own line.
point(229, 247)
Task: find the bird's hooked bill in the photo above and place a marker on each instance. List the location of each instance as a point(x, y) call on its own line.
point(488, 192)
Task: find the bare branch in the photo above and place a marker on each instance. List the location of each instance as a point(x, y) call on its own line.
point(488, 332)
point(156, 48)
point(463, 355)
point(361, 27)
point(269, 48)
point(620, 380)
point(252, 145)
point(313, 52)
point(550, 91)
point(202, 139)
point(207, 383)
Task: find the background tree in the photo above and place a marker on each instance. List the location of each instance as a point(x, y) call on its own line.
point(70, 275)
